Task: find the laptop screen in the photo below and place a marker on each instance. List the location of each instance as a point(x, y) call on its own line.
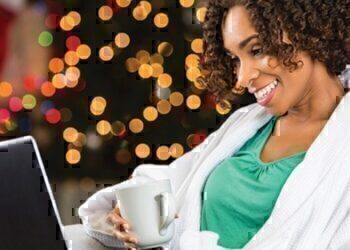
point(28, 218)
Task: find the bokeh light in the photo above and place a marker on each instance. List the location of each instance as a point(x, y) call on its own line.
point(53, 116)
point(83, 51)
point(105, 13)
point(193, 102)
point(142, 151)
point(67, 23)
point(76, 17)
point(72, 74)
point(118, 128)
point(145, 71)
point(132, 65)
point(73, 156)
point(197, 45)
point(122, 40)
point(157, 69)
point(73, 42)
point(176, 99)
point(163, 107)
point(5, 89)
point(193, 73)
point(200, 14)
point(143, 56)
point(4, 115)
point(164, 80)
point(70, 134)
point(161, 20)
point(186, 3)
point(136, 125)
point(28, 101)
point(123, 3)
point(176, 150)
point(192, 60)
point(163, 153)
point(165, 49)
point(15, 104)
point(56, 65)
point(103, 127)
point(106, 53)
point(98, 105)
point(45, 39)
point(150, 113)
point(59, 81)
point(223, 111)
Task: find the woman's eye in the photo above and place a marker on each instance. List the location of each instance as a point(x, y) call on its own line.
point(257, 52)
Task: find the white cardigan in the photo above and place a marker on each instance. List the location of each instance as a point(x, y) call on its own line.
point(311, 212)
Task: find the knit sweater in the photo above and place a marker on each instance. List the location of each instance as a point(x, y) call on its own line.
point(312, 210)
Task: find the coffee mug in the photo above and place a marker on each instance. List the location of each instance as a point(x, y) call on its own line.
point(150, 210)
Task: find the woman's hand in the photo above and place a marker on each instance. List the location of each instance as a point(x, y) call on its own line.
point(121, 229)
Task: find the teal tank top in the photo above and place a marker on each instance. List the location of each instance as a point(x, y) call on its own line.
point(240, 193)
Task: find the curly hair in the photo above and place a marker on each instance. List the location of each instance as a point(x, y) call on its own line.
point(320, 27)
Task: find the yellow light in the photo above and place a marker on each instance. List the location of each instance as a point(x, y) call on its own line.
point(186, 3)
point(176, 99)
point(164, 80)
point(72, 74)
point(67, 23)
point(76, 17)
point(118, 128)
point(163, 153)
point(193, 102)
point(59, 81)
point(103, 127)
point(197, 45)
point(193, 73)
point(139, 13)
point(198, 85)
point(83, 51)
point(98, 105)
point(136, 125)
point(105, 13)
point(146, 5)
point(5, 89)
point(106, 53)
point(122, 40)
point(176, 150)
point(150, 113)
point(200, 14)
point(28, 101)
point(165, 49)
point(123, 3)
point(156, 58)
point(70, 134)
point(132, 65)
point(71, 58)
point(142, 151)
point(145, 71)
point(157, 69)
point(163, 107)
point(223, 111)
point(161, 20)
point(73, 156)
point(192, 61)
point(143, 56)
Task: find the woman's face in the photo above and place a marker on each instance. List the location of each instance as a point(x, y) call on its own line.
point(256, 70)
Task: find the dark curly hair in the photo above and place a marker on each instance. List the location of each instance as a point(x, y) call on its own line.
point(320, 27)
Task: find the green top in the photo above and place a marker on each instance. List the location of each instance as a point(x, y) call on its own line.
point(241, 191)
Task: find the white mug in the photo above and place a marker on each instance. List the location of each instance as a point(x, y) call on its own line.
point(150, 210)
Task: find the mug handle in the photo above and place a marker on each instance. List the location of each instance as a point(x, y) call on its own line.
point(167, 211)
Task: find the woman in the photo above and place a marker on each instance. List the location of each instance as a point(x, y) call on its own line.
point(275, 175)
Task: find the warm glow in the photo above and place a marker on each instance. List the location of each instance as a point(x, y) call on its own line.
point(118, 128)
point(103, 127)
point(146, 5)
point(132, 64)
point(197, 45)
point(70, 134)
point(165, 49)
point(164, 80)
point(122, 40)
point(200, 14)
point(176, 99)
point(76, 17)
point(56, 65)
point(5, 89)
point(67, 23)
point(72, 74)
point(28, 101)
point(163, 107)
point(123, 3)
point(83, 51)
point(106, 53)
point(193, 102)
point(139, 13)
point(71, 58)
point(142, 151)
point(145, 71)
point(161, 20)
point(186, 3)
point(176, 150)
point(98, 105)
point(47, 89)
point(163, 153)
point(80, 141)
point(143, 56)
point(150, 113)
point(192, 74)
point(223, 111)
point(157, 69)
point(73, 156)
point(59, 81)
point(192, 61)
point(136, 125)
point(105, 13)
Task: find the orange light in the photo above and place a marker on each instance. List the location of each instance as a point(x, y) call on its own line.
point(47, 89)
point(83, 51)
point(56, 65)
point(5, 89)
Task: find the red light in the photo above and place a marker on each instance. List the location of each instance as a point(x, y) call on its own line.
point(15, 104)
point(29, 83)
point(53, 116)
point(4, 115)
point(73, 42)
point(52, 21)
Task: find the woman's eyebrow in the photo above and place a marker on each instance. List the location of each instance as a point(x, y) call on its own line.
point(242, 44)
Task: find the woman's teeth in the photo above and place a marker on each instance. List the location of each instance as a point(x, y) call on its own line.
point(265, 91)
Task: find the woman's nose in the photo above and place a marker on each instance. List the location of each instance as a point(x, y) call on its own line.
point(246, 75)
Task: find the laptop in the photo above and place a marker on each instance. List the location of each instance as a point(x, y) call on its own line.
point(29, 217)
